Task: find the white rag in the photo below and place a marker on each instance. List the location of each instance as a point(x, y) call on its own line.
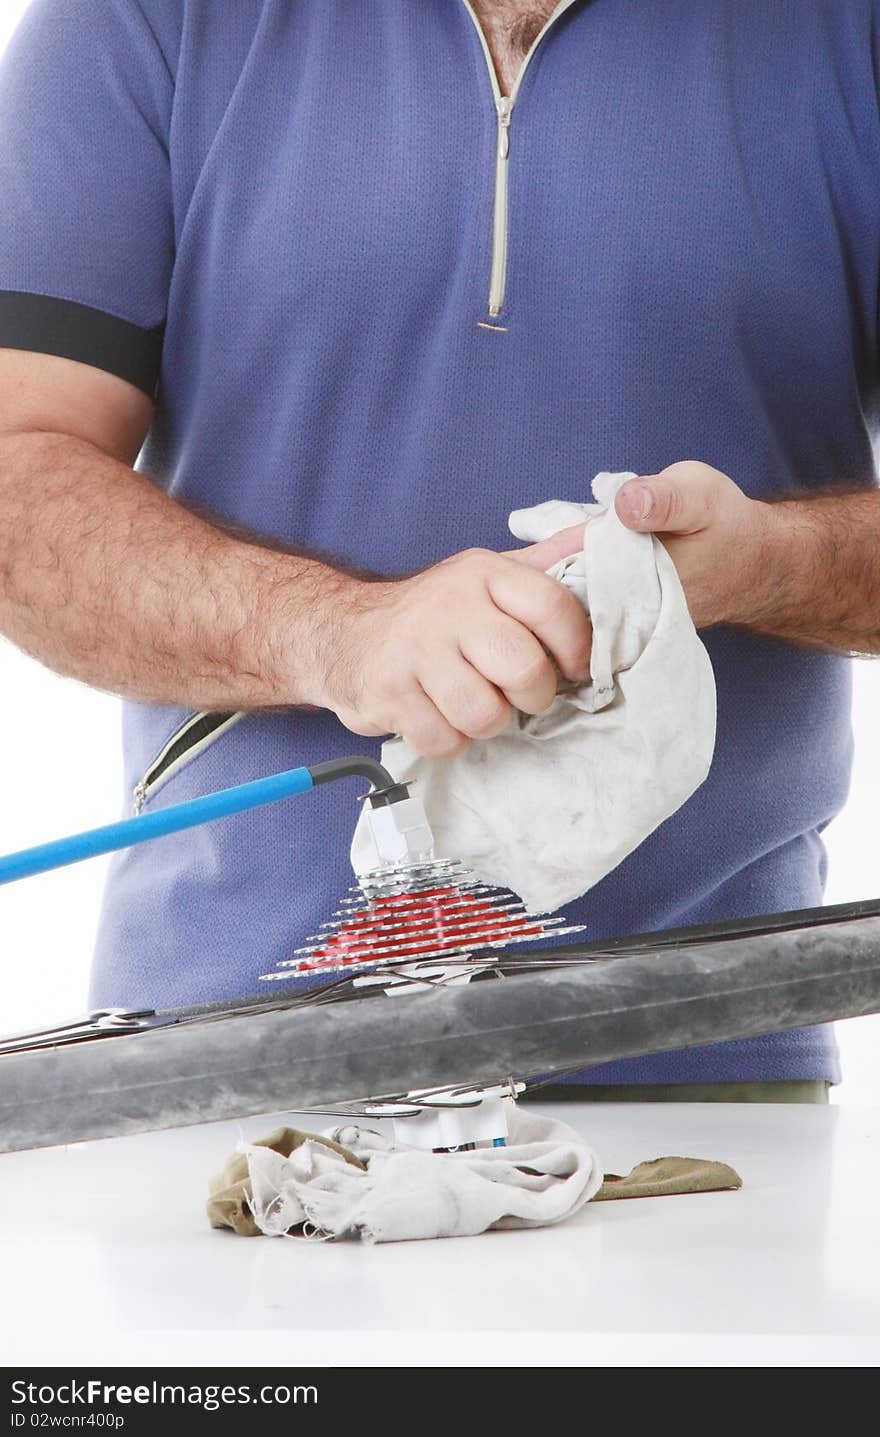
point(544, 1174)
point(557, 800)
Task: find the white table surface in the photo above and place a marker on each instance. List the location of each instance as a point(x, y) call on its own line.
point(106, 1255)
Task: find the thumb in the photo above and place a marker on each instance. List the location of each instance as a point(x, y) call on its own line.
point(679, 500)
point(548, 552)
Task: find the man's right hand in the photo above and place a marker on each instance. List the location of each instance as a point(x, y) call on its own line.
point(108, 579)
point(444, 656)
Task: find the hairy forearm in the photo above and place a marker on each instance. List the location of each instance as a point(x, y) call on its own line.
point(106, 579)
point(815, 573)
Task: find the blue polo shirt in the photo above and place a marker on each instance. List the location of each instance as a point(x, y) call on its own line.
point(279, 217)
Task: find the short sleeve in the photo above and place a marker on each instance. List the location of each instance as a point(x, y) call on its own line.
point(86, 228)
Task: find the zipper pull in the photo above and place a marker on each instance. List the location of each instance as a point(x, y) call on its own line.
point(504, 107)
point(139, 795)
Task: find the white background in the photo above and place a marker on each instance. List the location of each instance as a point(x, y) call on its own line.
point(61, 772)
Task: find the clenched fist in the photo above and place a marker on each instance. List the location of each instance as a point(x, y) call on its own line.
point(446, 655)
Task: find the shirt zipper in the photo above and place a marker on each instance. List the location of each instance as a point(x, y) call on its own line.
point(498, 276)
point(193, 736)
point(504, 109)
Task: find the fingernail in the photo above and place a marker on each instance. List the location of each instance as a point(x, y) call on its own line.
point(634, 502)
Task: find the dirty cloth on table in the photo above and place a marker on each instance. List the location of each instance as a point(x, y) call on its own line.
point(359, 1183)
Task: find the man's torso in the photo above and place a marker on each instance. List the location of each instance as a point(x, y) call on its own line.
point(694, 231)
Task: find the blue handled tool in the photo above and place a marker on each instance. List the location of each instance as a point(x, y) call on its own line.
point(205, 809)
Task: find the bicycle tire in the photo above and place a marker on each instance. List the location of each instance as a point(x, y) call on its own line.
point(221, 1065)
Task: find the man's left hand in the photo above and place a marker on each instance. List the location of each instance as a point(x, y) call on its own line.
point(805, 569)
point(716, 536)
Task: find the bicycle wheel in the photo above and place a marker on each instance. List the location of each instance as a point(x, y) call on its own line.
point(546, 1013)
